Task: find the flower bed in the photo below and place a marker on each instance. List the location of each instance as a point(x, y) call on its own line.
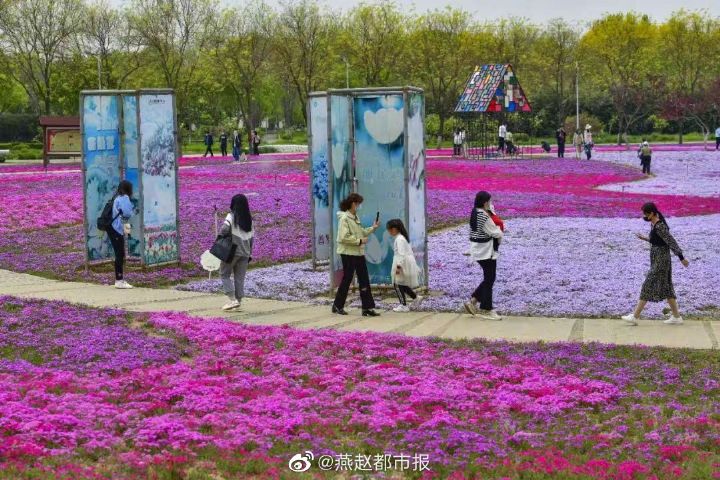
point(248, 398)
point(40, 216)
point(547, 267)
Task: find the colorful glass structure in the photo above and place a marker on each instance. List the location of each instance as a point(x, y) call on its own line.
point(493, 88)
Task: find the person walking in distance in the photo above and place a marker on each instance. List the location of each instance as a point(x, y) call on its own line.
point(463, 142)
point(717, 138)
point(645, 154)
point(255, 142)
point(208, 144)
point(588, 141)
point(456, 143)
point(223, 144)
point(482, 232)
point(122, 210)
point(351, 238)
point(578, 144)
point(236, 145)
point(502, 133)
point(239, 224)
point(560, 136)
point(658, 285)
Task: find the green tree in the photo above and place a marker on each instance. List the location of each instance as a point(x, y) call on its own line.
point(619, 53)
point(242, 59)
point(303, 46)
point(441, 43)
point(176, 34)
point(375, 39)
point(688, 52)
point(37, 34)
point(557, 46)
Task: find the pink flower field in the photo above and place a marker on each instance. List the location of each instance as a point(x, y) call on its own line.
point(41, 212)
point(165, 395)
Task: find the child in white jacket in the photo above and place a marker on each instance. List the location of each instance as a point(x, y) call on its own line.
point(405, 271)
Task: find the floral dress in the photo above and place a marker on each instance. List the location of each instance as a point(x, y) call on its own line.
point(658, 284)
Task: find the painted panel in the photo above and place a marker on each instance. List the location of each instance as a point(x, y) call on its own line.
point(101, 166)
point(341, 167)
point(158, 177)
point(380, 170)
point(319, 172)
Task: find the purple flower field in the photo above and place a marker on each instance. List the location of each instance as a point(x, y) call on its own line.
point(547, 267)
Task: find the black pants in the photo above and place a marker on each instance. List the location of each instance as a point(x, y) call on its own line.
point(208, 149)
point(717, 143)
point(588, 153)
point(118, 243)
point(484, 292)
point(401, 291)
point(645, 162)
point(352, 264)
point(456, 149)
point(501, 144)
point(223, 149)
point(561, 149)
point(255, 149)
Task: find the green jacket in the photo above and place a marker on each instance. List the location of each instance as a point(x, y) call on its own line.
point(350, 232)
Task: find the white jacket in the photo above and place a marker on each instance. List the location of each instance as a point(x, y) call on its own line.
point(405, 258)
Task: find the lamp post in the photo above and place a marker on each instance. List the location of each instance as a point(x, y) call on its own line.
point(577, 96)
point(347, 71)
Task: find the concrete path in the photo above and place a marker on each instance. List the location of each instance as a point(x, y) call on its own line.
point(693, 334)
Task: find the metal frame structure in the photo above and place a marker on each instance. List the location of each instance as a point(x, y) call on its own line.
point(352, 94)
point(121, 94)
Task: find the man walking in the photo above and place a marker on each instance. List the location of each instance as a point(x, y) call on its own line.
point(223, 144)
point(560, 136)
point(502, 133)
point(208, 144)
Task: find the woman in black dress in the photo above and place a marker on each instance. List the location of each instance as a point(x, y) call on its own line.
point(658, 284)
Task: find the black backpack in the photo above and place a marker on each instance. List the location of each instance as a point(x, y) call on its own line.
point(105, 220)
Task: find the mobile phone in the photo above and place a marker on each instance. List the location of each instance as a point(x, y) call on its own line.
point(377, 217)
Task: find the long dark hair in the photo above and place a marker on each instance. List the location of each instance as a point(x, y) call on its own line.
point(125, 188)
point(347, 202)
point(397, 223)
point(650, 207)
point(481, 198)
point(241, 212)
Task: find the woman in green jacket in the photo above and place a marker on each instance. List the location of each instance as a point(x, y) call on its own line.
point(351, 238)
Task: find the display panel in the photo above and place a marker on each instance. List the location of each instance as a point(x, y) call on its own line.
point(319, 178)
point(158, 178)
point(380, 163)
point(341, 168)
point(101, 167)
point(416, 182)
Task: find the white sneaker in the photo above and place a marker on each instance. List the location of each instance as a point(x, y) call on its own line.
point(470, 308)
point(401, 308)
point(417, 299)
point(630, 319)
point(490, 315)
point(674, 321)
point(122, 284)
point(231, 305)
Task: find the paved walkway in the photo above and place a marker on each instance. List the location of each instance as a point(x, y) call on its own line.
point(694, 334)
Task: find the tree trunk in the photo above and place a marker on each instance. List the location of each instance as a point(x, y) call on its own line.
point(620, 132)
point(680, 138)
point(441, 130)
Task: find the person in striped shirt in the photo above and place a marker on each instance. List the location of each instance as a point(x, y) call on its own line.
point(482, 232)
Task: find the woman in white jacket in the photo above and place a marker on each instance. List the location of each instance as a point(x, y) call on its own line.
point(405, 271)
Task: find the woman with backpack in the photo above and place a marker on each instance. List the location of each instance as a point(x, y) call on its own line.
point(238, 223)
point(122, 210)
point(645, 154)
